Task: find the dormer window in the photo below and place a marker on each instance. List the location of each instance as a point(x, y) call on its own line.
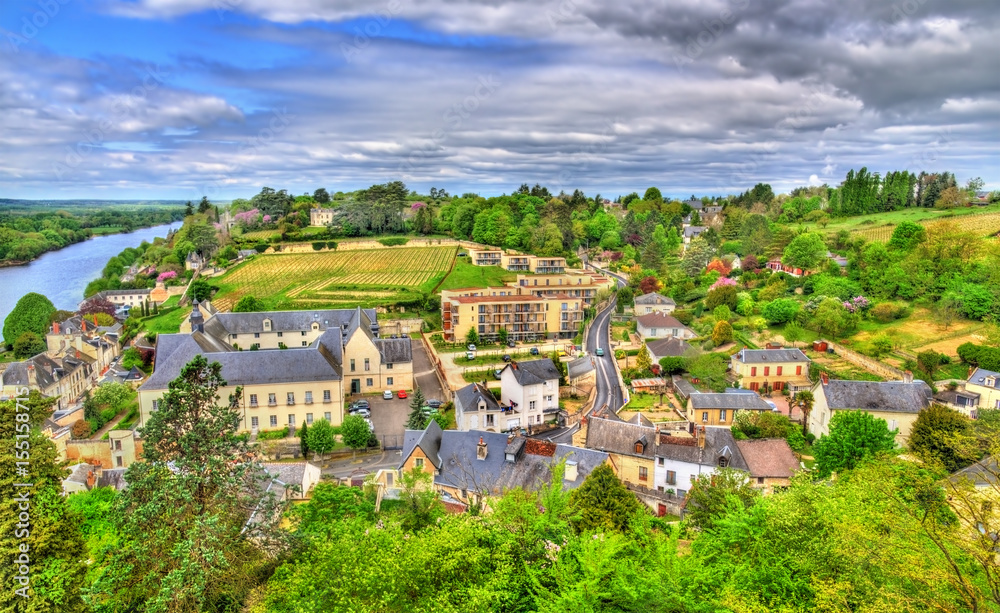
point(267, 325)
point(315, 326)
point(639, 447)
point(723, 461)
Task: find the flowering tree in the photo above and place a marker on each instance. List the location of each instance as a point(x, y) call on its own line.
point(720, 266)
point(722, 282)
point(164, 276)
point(856, 304)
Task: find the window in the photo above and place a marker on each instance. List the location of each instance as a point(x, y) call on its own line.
point(369, 382)
point(760, 480)
point(388, 380)
point(309, 397)
point(643, 473)
point(419, 463)
point(291, 419)
point(659, 461)
point(531, 405)
point(118, 445)
point(767, 370)
point(388, 366)
point(118, 461)
point(326, 395)
point(303, 333)
point(723, 461)
point(722, 415)
point(279, 334)
point(704, 416)
point(671, 477)
point(753, 371)
point(352, 364)
point(305, 344)
point(368, 364)
point(309, 418)
point(253, 400)
point(638, 447)
point(256, 334)
point(326, 416)
point(465, 493)
point(778, 372)
point(798, 370)
point(489, 421)
point(290, 398)
point(893, 424)
point(254, 422)
point(274, 421)
point(156, 405)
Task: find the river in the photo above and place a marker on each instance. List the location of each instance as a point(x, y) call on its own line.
point(63, 275)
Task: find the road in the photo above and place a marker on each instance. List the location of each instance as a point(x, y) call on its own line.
point(608, 390)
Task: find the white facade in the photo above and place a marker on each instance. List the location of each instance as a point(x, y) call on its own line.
point(677, 475)
point(531, 400)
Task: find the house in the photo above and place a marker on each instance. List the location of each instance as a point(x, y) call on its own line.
point(654, 385)
point(695, 204)
point(132, 298)
point(532, 388)
point(193, 261)
point(667, 348)
point(770, 462)
point(985, 384)
point(581, 374)
point(659, 325)
point(319, 217)
point(683, 387)
point(838, 259)
point(897, 402)
point(298, 478)
point(771, 369)
point(777, 266)
point(85, 477)
point(469, 467)
point(243, 254)
point(720, 409)
point(630, 447)
point(964, 402)
point(983, 475)
point(693, 232)
point(653, 303)
point(330, 353)
point(66, 377)
point(680, 459)
point(476, 408)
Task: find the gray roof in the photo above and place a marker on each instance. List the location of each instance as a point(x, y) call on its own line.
point(114, 478)
point(713, 209)
point(746, 402)
point(122, 292)
point(641, 420)
point(283, 321)
point(78, 473)
point(693, 231)
point(984, 473)
point(288, 473)
point(580, 366)
point(770, 356)
point(468, 397)
point(979, 376)
point(892, 396)
point(620, 437)
point(534, 371)
point(683, 386)
point(428, 440)
point(654, 298)
point(695, 204)
point(394, 349)
point(719, 443)
point(668, 347)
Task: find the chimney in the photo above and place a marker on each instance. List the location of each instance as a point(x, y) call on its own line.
point(32, 379)
point(78, 354)
point(701, 437)
point(908, 377)
point(91, 479)
point(55, 328)
point(197, 320)
point(510, 439)
point(825, 378)
point(481, 450)
point(571, 472)
point(96, 325)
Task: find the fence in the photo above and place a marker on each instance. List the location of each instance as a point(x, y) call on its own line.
point(870, 364)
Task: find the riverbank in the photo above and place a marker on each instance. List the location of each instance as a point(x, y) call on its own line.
point(15, 263)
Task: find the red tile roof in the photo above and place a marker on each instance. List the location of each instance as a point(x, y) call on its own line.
point(769, 457)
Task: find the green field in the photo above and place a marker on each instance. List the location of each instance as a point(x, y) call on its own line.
point(879, 226)
point(336, 279)
point(465, 274)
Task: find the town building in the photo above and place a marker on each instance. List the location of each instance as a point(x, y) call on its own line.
point(630, 446)
point(294, 366)
point(681, 459)
point(524, 316)
point(659, 325)
point(985, 385)
point(476, 408)
point(132, 298)
point(653, 303)
point(575, 284)
point(897, 402)
point(770, 462)
point(771, 369)
point(519, 262)
point(668, 348)
point(321, 217)
point(193, 261)
point(721, 409)
point(532, 389)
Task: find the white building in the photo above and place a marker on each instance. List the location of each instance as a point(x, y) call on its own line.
point(531, 389)
point(679, 460)
point(659, 325)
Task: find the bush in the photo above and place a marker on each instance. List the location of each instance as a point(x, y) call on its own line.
point(80, 429)
point(318, 246)
point(780, 311)
point(886, 312)
point(268, 435)
point(331, 245)
point(394, 241)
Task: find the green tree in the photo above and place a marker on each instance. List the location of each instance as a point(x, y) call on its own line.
point(854, 436)
point(200, 290)
point(805, 251)
point(696, 257)
point(354, 432)
point(304, 441)
point(421, 505)
point(906, 236)
point(114, 395)
point(710, 369)
point(792, 333)
point(643, 361)
point(503, 336)
point(881, 345)
point(30, 314)
point(132, 357)
point(722, 295)
point(50, 540)
point(831, 318)
point(722, 313)
point(672, 365)
point(722, 333)
point(321, 196)
point(249, 304)
point(472, 337)
point(602, 503)
point(805, 400)
point(196, 526)
point(28, 345)
point(929, 362)
point(712, 496)
point(653, 194)
point(782, 310)
point(418, 418)
point(945, 437)
point(624, 299)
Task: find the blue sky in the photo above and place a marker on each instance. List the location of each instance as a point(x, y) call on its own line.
point(184, 98)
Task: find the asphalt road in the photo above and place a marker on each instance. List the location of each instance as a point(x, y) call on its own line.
point(608, 390)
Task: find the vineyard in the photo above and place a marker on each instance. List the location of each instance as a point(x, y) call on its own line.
point(332, 279)
point(985, 224)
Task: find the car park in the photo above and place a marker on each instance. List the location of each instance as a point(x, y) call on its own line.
point(401, 393)
point(534, 351)
point(434, 403)
point(387, 395)
point(360, 404)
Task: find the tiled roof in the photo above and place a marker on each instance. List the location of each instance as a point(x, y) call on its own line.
point(668, 347)
point(533, 372)
point(394, 349)
point(692, 231)
point(468, 397)
point(891, 396)
point(770, 356)
point(516, 298)
point(769, 457)
point(719, 443)
point(660, 320)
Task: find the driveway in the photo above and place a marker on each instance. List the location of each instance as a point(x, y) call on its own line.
point(389, 419)
point(423, 373)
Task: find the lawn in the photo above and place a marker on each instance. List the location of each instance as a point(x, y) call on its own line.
point(483, 360)
point(465, 274)
point(166, 323)
point(336, 279)
point(171, 302)
point(879, 226)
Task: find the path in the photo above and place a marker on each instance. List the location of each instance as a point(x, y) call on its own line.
point(111, 424)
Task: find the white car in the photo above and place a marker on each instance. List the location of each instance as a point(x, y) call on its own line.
point(387, 395)
point(361, 413)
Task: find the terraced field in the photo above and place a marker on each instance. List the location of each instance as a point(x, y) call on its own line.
point(332, 279)
point(985, 224)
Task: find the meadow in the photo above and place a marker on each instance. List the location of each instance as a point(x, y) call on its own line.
point(879, 226)
point(335, 279)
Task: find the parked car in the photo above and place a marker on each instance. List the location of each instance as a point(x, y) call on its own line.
point(361, 413)
point(387, 395)
point(434, 403)
point(496, 373)
point(361, 404)
point(470, 355)
point(371, 426)
point(511, 344)
point(599, 352)
point(506, 357)
point(534, 351)
point(562, 353)
point(471, 347)
point(428, 411)
point(401, 393)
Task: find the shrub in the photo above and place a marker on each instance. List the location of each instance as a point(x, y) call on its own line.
point(724, 294)
point(331, 245)
point(80, 429)
point(394, 241)
point(268, 435)
point(723, 333)
point(318, 246)
point(886, 312)
point(780, 311)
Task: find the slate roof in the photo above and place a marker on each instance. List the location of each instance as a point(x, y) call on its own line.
point(78, 473)
point(979, 376)
point(693, 231)
point(719, 443)
point(580, 366)
point(287, 473)
point(533, 372)
point(641, 420)
point(428, 440)
point(620, 437)
point(467, 398)
point(283, 321)
point(735, 402)
point(654, 298)
point(668, 347)
point(683, 386)
point(984, 473)
point(695, 204)
point(114, 478)
point(394, 349)
point(769, 457)
point(770, 356)
point(660, 320)
point(890, 396)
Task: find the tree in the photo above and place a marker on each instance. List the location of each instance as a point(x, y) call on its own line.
point(805, 251)
point(951, 198)
point(187, 540)
point(653, 194)
point(471, 337)
point(672, 365)
point(722, 333)
point(354, 432)
point(854, 436)
point(418, 418)
point(943, 436)
point(782, 310)
point(80, 429)
point(792, 333)
point(712, 496)
point(421, 505)
point(322, 438)
point(929, 362)
point(188, 209)
point(602, 503)
point(805, 400)
point(30, 314)
point(304, 441)
point(710, 369)
point(906, 236)
point(49, 542)
point(722, 295)
point(722, 313)
point(132, 357)
point(881, 345)
point(831, 318)
point(98, 305)
point(249, 304)
point(200, 290)
point(623, 299)
point(503, 336)
point(643, 361)
point(321, 196)
point(696, 256)
point(204, 205)
point(28, 345)
point(648, 285)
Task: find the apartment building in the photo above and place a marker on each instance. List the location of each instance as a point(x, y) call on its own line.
point(576, 284)
point(517, 261)
point(524, 316)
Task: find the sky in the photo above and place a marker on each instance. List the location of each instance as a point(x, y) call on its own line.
point(181, 99)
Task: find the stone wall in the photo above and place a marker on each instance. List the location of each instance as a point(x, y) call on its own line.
point(870, 364)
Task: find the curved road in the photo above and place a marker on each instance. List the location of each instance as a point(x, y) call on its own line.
point(608, 390)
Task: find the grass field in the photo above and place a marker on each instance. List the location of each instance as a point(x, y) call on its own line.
point(166, 323)
point(336, 279)
point(465, 274)
point(869, 223)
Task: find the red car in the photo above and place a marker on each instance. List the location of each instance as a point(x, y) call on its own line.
point(401, 393)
